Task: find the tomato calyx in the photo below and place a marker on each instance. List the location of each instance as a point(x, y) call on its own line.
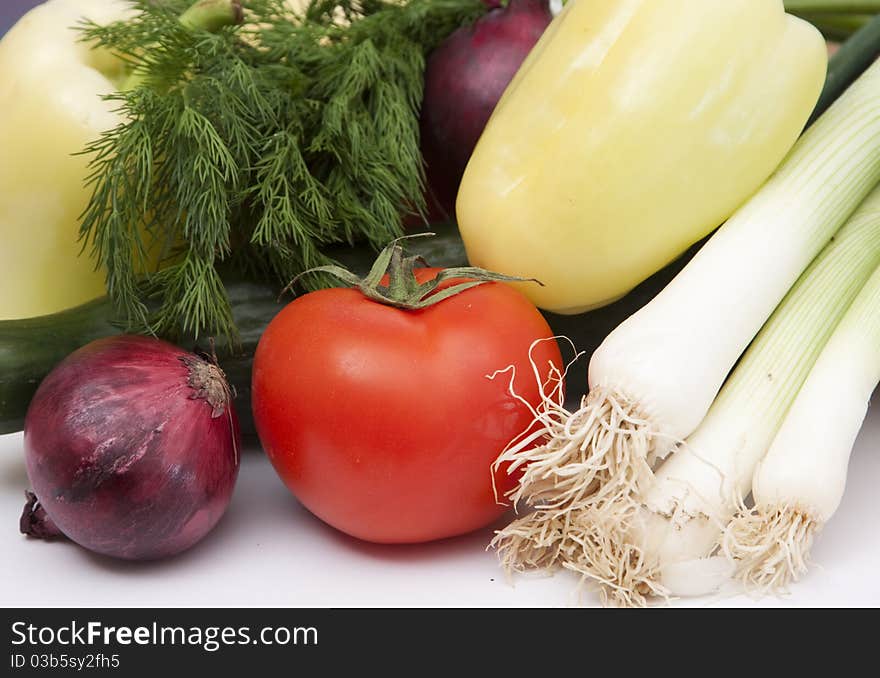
point(403, 289)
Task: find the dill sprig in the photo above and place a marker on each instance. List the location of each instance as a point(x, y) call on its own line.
point(257, 146)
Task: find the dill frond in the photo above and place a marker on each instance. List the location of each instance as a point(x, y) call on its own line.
point(258, 145)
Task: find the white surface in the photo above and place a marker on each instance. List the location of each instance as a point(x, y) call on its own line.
point(269, 551)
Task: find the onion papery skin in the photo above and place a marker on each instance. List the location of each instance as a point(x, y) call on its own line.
point(123, 454)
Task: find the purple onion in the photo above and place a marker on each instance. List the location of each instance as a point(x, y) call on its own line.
point(465, 77)
point(132, 449)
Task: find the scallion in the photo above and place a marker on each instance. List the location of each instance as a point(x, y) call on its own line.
point(799, 485)
point(654, 378)
point(661, 544)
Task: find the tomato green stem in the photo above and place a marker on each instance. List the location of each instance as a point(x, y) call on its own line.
point(403, 289)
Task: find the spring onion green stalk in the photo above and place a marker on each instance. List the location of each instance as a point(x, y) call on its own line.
point(662, 545)
point(831, 6)
point(654, 378)
point(799, 484)
point(847, 64)
point(837, 27)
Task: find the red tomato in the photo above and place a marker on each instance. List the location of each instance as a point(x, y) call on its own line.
point(382, 421)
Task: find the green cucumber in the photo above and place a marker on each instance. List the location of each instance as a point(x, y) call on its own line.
point(30, 348)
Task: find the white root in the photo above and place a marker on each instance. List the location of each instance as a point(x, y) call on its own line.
point(581, 542)
point(592, 462)
point(534, 542)
point(770, 546)
point(625, 574)
point(590, 541)
point(586, 476)
point(628, 554)
point(626, 546)
point(584, 458)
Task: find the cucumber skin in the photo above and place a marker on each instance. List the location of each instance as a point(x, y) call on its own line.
point(31, 347)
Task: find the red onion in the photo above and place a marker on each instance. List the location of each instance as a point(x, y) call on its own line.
point(132, 449)
point(465, 77)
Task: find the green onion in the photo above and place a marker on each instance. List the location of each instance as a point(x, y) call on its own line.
point(698, 489)
point(799, 485)
point(655, 377)
point(850, 61)
point(832, 6)
point(837, 27)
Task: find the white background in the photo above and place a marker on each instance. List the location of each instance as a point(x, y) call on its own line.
point(269, 551)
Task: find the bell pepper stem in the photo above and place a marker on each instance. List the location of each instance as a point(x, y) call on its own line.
point(202, 15)
point(212, 15)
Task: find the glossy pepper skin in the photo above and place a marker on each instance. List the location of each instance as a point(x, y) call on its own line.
point(50, 108)
point(632, 130)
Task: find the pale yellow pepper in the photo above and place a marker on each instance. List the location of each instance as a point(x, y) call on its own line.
point(633, 129)
point(50, 108)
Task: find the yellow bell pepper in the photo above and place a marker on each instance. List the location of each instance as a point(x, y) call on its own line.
point(50, 108)
point(633, 129)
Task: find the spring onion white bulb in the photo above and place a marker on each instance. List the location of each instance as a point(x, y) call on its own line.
point(661, 545)
point(653, 379)
point(799, 484)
